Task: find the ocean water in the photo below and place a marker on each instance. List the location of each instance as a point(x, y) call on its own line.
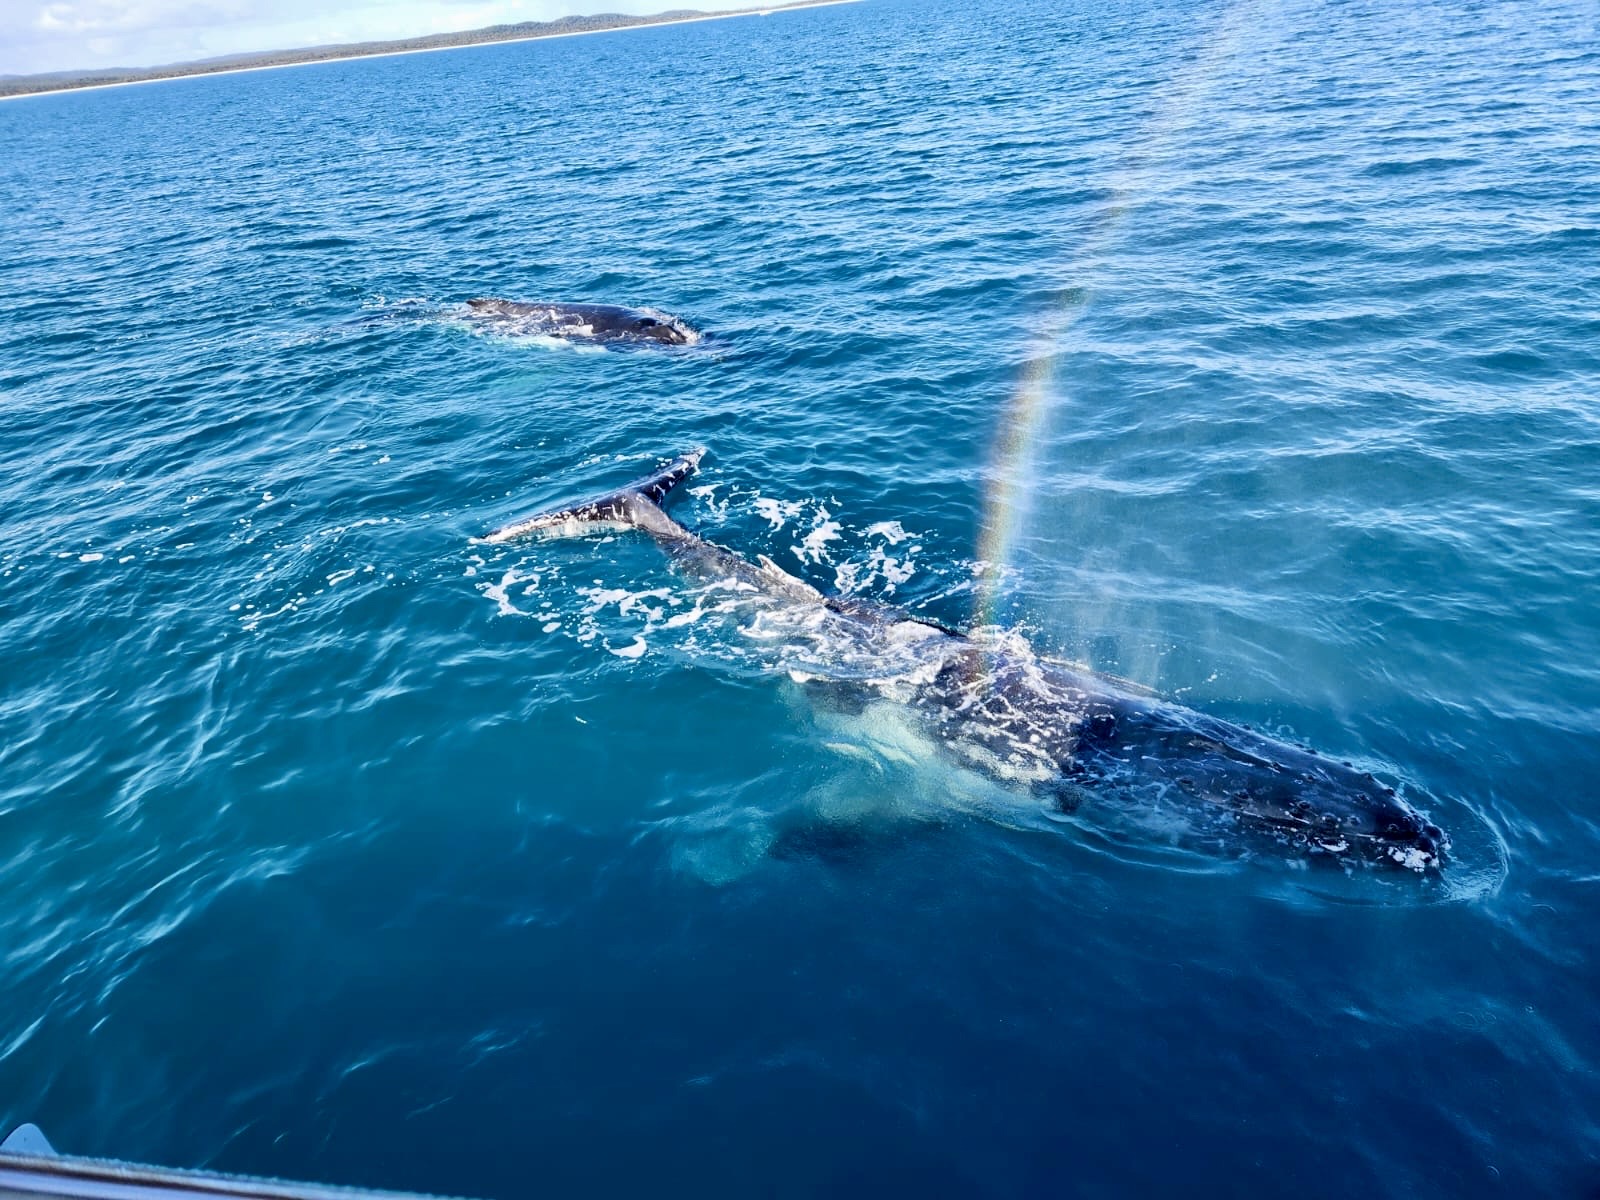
point(1248, 351)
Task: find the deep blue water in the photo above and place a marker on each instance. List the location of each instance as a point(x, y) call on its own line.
point(1249, 351)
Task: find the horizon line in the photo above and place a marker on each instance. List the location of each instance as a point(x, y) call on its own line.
point(198, 69)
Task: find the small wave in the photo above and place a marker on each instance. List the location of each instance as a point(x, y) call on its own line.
point(1394, 168)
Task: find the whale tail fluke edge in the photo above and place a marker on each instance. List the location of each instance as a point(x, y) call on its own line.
point(630, 505)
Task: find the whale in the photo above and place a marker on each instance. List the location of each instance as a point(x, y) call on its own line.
point(604, 324)
point(1076, 738)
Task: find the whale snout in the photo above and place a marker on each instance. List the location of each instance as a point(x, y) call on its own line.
point(1415, 843)
point(669, 331)
point(1355, 811)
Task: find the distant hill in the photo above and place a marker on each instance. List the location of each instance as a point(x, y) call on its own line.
point(59, 81)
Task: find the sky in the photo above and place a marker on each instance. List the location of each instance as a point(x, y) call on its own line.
point(65, 35)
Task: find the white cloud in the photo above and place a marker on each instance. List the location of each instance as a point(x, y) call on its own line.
point(70, 17)
point(77, 18)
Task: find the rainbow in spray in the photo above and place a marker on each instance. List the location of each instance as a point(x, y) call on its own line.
point(1136, 178)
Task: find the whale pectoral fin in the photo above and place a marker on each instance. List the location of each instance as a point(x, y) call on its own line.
point(792, 585)
point(841, 697)
point(637, 504)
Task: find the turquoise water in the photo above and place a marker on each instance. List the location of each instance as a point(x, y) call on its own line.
point(1245, 351)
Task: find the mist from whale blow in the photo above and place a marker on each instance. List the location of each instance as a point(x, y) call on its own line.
point(1073, 735)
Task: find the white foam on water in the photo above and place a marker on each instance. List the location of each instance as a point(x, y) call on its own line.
point(777, 513)
point(635, 650)
point(813, 548)
point(627, 601)
point(879, 571)
point(706, 493)
point(336, 530)
point(500, 592)
point(890, 531)
point(250, 620)
point(647, 606)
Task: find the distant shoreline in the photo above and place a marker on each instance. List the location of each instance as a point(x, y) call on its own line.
point(17, 87)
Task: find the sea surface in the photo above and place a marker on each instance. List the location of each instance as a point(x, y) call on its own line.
point(1246, 351)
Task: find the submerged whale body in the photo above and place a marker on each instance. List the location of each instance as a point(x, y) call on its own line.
point(601, 323)
point(1076, 736)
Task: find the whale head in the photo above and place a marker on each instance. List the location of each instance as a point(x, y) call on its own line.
point(1325, 807)
point(1322, 807)
point(650, 327)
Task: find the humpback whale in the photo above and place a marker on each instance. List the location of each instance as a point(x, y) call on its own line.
point(1075, 736)
point(602, 323)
